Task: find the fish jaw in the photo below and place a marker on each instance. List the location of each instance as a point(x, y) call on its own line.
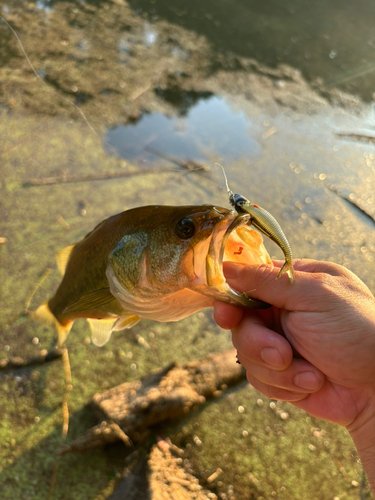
point(200, 269)
point(234, 241)
point(156, 275)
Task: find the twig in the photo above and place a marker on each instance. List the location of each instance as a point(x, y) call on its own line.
point(139, 92)
point(159, 397)
point(54, 478)
point(47, 181)
point(68, 388)
point(352, 202)
point(25, 311)
point(17, 363)
point(20, 143)
point(357, 137)
point(183, 163)
point(46, 273)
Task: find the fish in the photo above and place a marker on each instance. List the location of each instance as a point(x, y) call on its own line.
point(266, 224)
point(157, 262)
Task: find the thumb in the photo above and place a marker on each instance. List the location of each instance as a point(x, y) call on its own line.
point(308, 293)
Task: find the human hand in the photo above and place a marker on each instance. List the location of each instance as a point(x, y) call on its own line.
point(315, 347)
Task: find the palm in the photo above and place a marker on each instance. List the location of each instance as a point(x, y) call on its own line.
point(335, 402)
point(332, 402)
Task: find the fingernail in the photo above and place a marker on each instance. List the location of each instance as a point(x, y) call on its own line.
point(232, 270)
point(271, 356)
point(306, 380)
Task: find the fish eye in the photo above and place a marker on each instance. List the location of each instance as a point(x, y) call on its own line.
point(185, 229)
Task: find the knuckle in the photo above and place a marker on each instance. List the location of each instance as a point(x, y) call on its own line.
point(324, 285)
point(236, 341)
point(273, 392)
point(263, 274)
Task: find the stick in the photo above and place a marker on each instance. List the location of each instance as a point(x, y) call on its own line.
point(68, 388)
point(47, 181)
point(183, 163)
point(46, 273)
point(166, 395)
point(357, 137)
point(17, 363)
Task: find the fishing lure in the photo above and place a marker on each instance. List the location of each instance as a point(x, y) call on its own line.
point(266, 224)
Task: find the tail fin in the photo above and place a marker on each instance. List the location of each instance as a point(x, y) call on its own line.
point(44, 313)
point(287, 268)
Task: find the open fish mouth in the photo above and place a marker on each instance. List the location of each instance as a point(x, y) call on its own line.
point(233, 240)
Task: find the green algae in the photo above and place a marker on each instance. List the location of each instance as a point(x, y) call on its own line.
point(262, 454)
point(269, 449)
point(31, 399)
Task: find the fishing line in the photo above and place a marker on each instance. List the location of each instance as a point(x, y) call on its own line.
point(44, 83)
point(229, 191)
point(68, 100)
point(71, 102)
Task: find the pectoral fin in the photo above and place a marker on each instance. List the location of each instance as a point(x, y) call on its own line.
point(91, 301)
point(101, 330)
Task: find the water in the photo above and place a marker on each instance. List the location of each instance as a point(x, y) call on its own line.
point(209, 129)
point(261, 87)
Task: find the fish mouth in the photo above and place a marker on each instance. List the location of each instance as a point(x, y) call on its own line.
point(233, 240)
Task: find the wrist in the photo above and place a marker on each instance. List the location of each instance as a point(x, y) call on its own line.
point(362, 431)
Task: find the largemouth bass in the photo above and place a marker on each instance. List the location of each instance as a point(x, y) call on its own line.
point(158, 262)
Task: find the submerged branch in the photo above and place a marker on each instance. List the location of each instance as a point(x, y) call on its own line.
point(17, 362)
point(166, 395)
point(64, 179)
point(357, 137)
point(189, 165)
point(165, 472)
point(351, 202)
point(181, 162)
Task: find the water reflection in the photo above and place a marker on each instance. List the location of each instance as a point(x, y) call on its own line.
point(169, 67)
point(209, 129)
point(330, 40)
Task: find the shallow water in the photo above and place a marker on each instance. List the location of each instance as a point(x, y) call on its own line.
point(263, 89)
point(210, 127)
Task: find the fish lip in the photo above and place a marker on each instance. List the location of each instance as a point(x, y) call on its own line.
point(241, 219)
point(214, 263)
point(215, 255)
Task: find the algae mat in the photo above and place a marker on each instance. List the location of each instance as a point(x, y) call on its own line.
point(318, 185)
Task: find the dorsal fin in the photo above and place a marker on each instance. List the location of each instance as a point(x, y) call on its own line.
point(62, 258)
point(93, 300)
point(101, 330)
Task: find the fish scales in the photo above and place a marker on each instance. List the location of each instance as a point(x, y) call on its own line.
point(157, 262)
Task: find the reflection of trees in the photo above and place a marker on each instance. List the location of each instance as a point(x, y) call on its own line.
point(329, 39)
point(116, 61)
point(181, 99)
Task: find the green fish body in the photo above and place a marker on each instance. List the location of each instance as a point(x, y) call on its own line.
point(157, 262)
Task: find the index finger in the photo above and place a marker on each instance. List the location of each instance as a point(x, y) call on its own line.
point(311, 291)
